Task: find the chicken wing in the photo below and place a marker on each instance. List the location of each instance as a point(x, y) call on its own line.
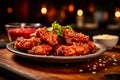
point(72, 37)
point(42, 49)
point(47, 36)
point(26, 44)
point(75, 50)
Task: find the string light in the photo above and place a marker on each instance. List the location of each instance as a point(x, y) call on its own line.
point(117, 14)
point(91, 8)
point(9, 10)
point(71, 8)
point(44, 10)
point(80, 12)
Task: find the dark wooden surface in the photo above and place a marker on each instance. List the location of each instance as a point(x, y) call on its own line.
point(15, 67)
point(110, 62)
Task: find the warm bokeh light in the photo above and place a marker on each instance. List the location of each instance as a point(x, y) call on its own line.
point(117, 14)
point(80, 12)
point(91, 8)
point(44, 10)
point(106, 15)
point(71, 8)
point(9, 10)
point(51, 14)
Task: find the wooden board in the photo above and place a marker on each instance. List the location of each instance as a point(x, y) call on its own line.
point(94, 69)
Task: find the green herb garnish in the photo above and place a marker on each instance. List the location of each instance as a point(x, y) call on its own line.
point(58, 28)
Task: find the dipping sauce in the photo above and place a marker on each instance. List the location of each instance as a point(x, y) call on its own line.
point(20, 32)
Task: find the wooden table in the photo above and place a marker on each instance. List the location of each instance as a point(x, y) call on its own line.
point(94, 69)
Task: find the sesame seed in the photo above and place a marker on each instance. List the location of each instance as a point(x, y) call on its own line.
point(100, 60)
point(103, 64)
point(114, 63)
point(100, 64)
point(113, 55)
point(104, 58)
point(81, 70)
point(94, 68)
point(106, 69)
point(88, 65)
point(104, 61)
point(109, 59)
point(115, 60)
point(93, 72)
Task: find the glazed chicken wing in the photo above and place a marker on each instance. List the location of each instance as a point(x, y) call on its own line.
point(92, 47)
point(72, 37)
point(47, 36)
point(26, 44)
point(42, 49)
point(75, 50)
point(72, 50)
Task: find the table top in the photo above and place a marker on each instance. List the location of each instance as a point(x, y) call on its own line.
point(93, 69)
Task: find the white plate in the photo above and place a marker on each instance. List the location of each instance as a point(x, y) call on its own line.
point(57, 59)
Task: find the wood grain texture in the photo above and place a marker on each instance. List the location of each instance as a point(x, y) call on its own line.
point(53, 71)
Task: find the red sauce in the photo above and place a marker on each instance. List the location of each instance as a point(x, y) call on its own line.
point(20, 32)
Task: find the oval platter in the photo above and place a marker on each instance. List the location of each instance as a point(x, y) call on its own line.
point(57, 59)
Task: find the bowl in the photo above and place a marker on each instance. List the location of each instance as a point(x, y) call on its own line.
point(15, 30)
point(108, 40)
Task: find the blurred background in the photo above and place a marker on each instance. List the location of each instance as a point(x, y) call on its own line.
point(88, 14)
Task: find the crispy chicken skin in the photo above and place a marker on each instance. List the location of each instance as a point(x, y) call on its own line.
point(92, 47)
point(77, 44)
point(26, 44)
point(75, 50)
point(44, 42)
point(50, 37)
point(72, 37)
point(42, 49)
